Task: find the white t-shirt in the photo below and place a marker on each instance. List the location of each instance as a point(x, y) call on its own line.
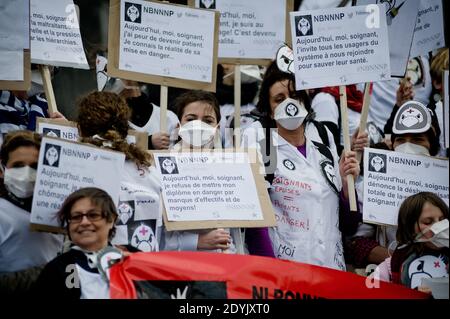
point(21, 248)
point(154, 124)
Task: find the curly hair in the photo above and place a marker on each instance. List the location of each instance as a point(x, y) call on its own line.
point(102, 118)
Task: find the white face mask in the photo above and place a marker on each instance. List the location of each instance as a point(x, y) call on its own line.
point(197, 133)
point(290, 114)
point(411, 148)
point(440, 237)
point(20, 181)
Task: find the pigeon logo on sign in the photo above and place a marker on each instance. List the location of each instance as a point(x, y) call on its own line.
point(168, 165)
point(377, 163)
point(207, 4)
point(132, 12)
point(51, 155)
point(304, 25)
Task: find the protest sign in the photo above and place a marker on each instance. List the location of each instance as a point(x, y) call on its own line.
point(55, 34)
point(212, 189)
point(193, 275)
point(14, 45)
point(68, 130)
point(446, 107)
point(57, 128)
point(16, 85)
point(390, 177)
point(401, 18)
point(429, 31)
point(339, 46)
point(65, 167)
point(251, 31)
point(170, 45)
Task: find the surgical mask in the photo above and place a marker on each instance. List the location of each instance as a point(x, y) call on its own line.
point(290, 114)
point(440, 238)
point(197, 133)
point(20, 181)
point(411, 148)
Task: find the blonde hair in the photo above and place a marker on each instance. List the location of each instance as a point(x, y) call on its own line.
point(438, 64)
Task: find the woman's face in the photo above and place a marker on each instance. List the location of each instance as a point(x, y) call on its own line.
point(23, 156)
point(88, 228)
point(199, 111)
point(430, 215)
point(278, 92)
point(419, 139)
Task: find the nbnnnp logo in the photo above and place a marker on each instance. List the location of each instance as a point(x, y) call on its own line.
point(303, 26)
point(52, 154)
point(133, 12)
point(377, 163)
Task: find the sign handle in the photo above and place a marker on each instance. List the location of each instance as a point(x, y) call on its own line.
point(163, 108)
point(237, 106)
point(364, 115)
point(345, 132)
point(48, 88)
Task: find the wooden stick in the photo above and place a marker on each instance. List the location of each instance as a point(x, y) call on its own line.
point(237, 106)
point(364, 115)
point(345, 132)
point(48, 88)
point(163, 108)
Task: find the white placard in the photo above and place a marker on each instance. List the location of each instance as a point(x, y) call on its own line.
point(446, 107)
point(166, 40)
point(339, 46)
point(64, 167)
point(252, 29)
point(55, 34)
point(64, 132)
point(401, 17)
point(429, 30)
point(14, 25)
point(11, 65)
point(208, 186)
point(390, 177)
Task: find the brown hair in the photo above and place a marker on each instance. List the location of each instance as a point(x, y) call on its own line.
point(106, 114)
point(196, 96)
point(438, 64)
point(98, 197)
point(409, 213)
point(16, 139)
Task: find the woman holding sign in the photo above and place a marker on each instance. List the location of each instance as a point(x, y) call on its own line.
point(199, 115)
point(308, 185)
point(103, 121)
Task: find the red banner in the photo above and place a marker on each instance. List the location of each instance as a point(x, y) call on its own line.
point(189, 275)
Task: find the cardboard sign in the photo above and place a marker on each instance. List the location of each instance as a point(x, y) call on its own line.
point(193, 275)
point(446, 107)
point(17, 85)
point(65, 130)
point(65, 167)
point(14, 45)
point(339, 46)
point(163, 44)
point(401, 18)
point(429, 30)
point(250, 31)
point(55, 34)
point(212, 189)
point(68, 130)
point(390, 177)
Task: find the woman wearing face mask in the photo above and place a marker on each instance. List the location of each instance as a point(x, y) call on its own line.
point(88, 215)
point(423, 242)
point(103, 121)
point(199, 116)
point(23, 253)
point(308, 182)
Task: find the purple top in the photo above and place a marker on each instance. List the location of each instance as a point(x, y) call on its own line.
point(302, 149)
point(258, 242)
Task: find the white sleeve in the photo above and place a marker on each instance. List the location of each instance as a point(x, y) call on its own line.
point(325, 107)
point(180, 240)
